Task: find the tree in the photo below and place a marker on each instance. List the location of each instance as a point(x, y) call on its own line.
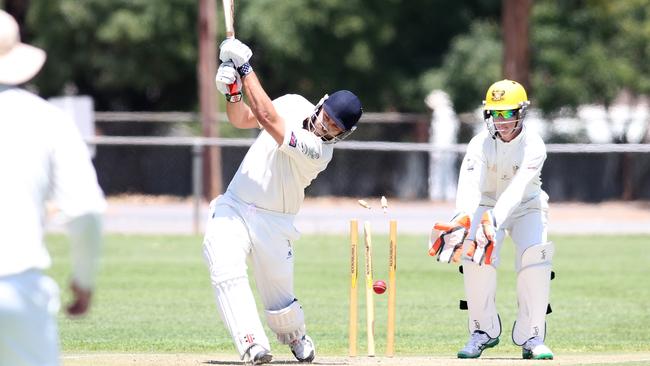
point(377, 48)
point(129, 55)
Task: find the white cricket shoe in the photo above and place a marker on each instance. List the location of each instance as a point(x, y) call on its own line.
point(535, 349)
point(478, 341)
point(303, 349)
point(257, 355)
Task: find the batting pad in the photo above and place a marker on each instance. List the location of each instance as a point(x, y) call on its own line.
point(533, 291)
point(288, 323)
point(239, 313)
point(480, 289)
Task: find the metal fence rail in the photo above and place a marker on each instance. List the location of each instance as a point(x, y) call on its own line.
point(353, 145)
point(191, 117)
point(199, 143)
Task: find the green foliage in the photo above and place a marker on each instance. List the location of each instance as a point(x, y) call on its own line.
point(378, 49)
point(136, 54)
point(154, 295)
point(142, 54)
point(588, 51)
point(472, 64)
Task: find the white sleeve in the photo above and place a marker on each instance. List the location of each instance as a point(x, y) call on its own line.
point(77, 194)
point(531, 166)
point(470, 179)
point(75, 190)
point(85, 239)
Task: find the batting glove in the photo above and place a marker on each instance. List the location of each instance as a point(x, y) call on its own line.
point(447, 238)
point(233, 49)
point(480, 251)
point(228, 81)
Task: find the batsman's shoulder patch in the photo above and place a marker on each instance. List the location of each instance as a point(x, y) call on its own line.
point(293, 141)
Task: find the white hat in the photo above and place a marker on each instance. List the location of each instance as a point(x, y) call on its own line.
point(19, 62)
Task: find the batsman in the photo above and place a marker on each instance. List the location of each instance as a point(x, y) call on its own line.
point(499, 192)
point(254, 218)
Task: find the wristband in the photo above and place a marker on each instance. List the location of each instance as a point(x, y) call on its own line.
point(234, 98)
point(245, 69)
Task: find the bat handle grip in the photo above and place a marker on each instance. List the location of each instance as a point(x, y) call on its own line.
point(233, 88)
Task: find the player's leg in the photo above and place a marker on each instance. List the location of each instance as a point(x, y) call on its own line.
point(29, 303)
point(533, 260)
point(480, 283)
point(225, 248)
point(272, 260)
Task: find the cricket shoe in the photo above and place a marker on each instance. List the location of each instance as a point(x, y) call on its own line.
point(478, 341)
point(303, 349)
point(257, 355)
point(535, 349)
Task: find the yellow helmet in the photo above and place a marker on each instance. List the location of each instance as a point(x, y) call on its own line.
point(505, 94)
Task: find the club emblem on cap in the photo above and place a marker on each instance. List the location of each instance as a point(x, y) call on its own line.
point(497, 95)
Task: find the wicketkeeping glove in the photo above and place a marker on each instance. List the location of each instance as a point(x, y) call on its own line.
point(233, 49)
point(228, 80)
point(481, 249)
point(446, 239)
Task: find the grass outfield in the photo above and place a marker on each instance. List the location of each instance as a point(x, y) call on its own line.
point(154, 296)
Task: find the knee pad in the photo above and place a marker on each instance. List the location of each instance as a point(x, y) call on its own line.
point(480, 289)
point(533, 290)
point(288, 323)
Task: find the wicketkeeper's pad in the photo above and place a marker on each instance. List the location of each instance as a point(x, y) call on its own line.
point(533, 292)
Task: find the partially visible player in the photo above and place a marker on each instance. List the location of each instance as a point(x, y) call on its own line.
point(254, 218)
point(42, 157)
point(499, 193)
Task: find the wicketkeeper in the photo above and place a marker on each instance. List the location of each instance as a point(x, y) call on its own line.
point(254, 218)
point(499, 192)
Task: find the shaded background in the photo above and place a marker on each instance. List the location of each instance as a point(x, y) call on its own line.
point(142, 55)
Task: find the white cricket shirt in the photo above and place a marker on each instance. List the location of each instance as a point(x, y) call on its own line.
point(42, 157)
point(274, 177)
point(502, 175)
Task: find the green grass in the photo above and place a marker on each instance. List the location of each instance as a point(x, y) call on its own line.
point(154, 295)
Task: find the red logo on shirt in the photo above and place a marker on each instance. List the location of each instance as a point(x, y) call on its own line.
point(293, 141)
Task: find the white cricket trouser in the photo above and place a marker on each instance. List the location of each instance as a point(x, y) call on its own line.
point(526, 230)
point(236, 232)
point(29, 302)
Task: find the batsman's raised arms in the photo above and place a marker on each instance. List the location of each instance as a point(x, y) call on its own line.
point(446, 241)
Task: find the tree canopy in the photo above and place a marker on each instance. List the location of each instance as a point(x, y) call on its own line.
point(142, 54)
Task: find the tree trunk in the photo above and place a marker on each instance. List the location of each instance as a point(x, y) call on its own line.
point(514, 23)
point(212, 185)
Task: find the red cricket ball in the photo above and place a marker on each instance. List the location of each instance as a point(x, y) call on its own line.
point(379, 286)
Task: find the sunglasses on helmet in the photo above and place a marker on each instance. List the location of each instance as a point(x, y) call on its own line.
point(508, 113)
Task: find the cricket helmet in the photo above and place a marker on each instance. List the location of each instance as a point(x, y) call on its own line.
point(504, 95)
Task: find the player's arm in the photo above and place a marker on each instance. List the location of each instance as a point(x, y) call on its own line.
point(77, 194)
point(471, 179)
point(262, 107)
point(531, 167)
point(260, 110)
point(229, 83)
